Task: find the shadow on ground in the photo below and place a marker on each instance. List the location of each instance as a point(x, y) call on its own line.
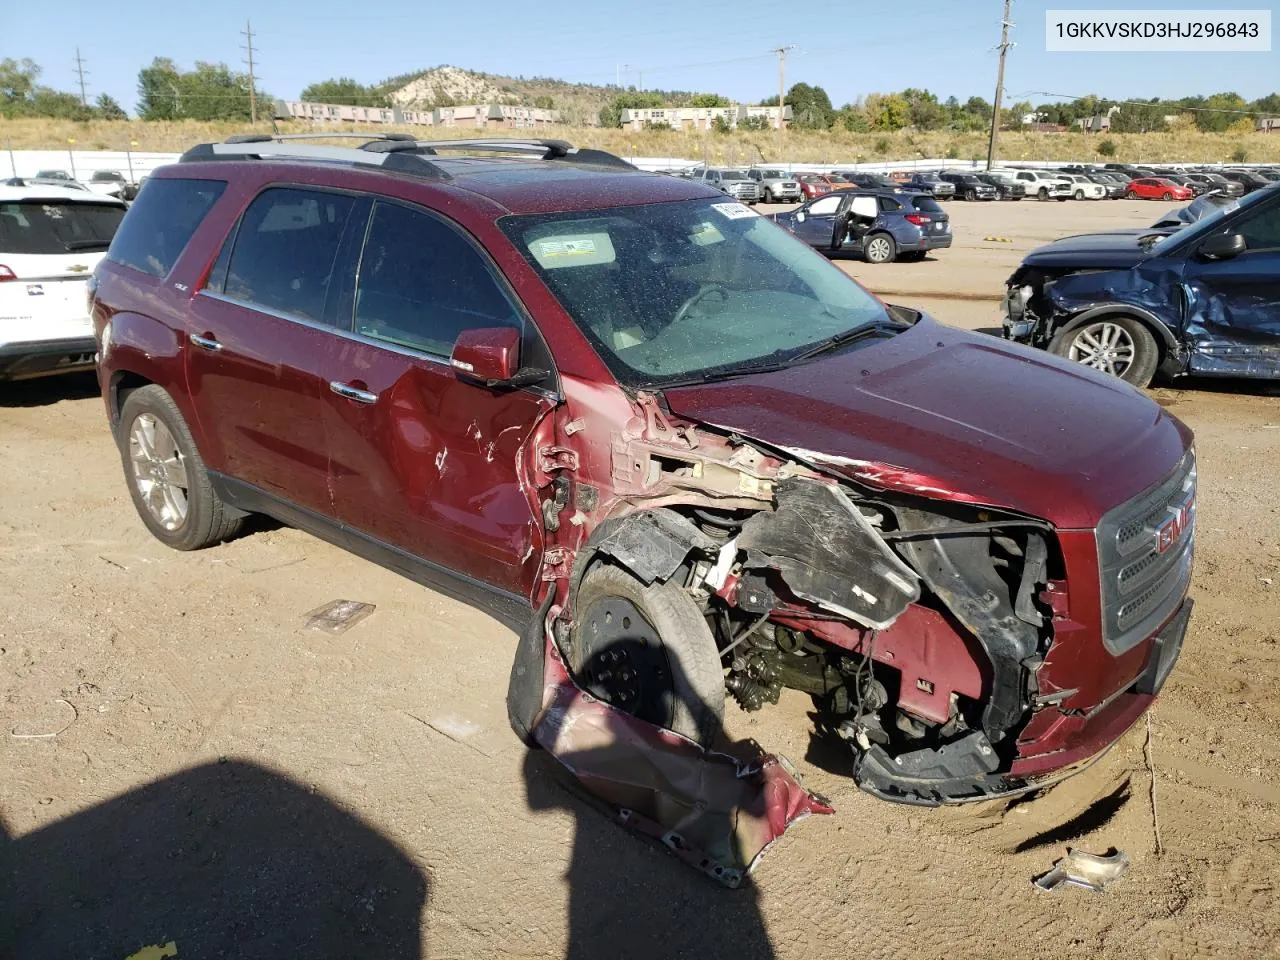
point(46, 391)
point(224, 860)
point(629, 898)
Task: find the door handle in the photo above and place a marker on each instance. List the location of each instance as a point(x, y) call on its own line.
point(206, 343)
point(352, 393)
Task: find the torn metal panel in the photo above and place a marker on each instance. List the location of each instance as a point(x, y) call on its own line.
point(960, 572)
point(828, 553)
point(716, 812)
point(1086, 870)
point(651, 543)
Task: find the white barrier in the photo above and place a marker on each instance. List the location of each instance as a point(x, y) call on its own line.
point(83, 164)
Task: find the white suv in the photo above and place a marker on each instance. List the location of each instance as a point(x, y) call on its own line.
point(1044, 184)
point(51, 238)
point(1082, 188)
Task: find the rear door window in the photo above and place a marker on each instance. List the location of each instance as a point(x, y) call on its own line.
point(286, 248)
point(57, 226)
point(422, 283)
point(161, 221)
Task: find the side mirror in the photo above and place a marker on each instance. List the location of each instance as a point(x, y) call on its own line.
point(492, 356)
point(1222, 246)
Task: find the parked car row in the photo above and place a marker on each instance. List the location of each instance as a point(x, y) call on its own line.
point(106, 183)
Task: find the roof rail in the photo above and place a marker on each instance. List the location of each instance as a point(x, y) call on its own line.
point(400, 155)
point(560, 150)
point(391, 151)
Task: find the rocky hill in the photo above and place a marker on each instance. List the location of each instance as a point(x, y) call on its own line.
point(578, 103)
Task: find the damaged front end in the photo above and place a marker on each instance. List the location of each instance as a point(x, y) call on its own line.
point(917, 625)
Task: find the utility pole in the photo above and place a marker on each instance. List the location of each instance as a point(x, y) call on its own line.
point(253, 95)
point(84, 97)
point(995, 109)
point(782, 83)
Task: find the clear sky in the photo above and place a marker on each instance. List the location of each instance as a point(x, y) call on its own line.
point(849, 47)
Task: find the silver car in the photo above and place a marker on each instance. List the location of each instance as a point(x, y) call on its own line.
point(776, 186)
point(736, 183)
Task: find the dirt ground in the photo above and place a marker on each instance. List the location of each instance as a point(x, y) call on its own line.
point(220, 776)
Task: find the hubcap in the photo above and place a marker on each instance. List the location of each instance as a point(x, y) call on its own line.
point(1104, 346)
point(878, 249)
point(159, 471)
point(626, 664)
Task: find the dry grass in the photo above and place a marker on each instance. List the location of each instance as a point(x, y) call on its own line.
point(735, 148)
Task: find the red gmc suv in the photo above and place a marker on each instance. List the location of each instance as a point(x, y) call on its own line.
point(535, 378)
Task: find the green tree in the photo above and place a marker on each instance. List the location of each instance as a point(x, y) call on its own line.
point(58, 105)
point(209, 92)
point(720, 125)
point(810, 107)
point(923, 110)
point(1220, 111)
point(1241, 155)
point(544, 103)
point(108, 109)
point(17, 83)
point(1140, 118)
point(853, 119)
point(709, 100)
point(1107, 148)
point(888, 111)
point(756, 123)
point(611, 113)
point(346, 92)
point(1268, 105)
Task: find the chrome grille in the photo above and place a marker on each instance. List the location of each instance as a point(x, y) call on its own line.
point(1145, 550)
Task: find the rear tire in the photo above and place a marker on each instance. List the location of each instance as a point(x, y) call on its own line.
point(1167, 196)
point(663, 668)
point(1130, 195)
point(167, 478)
point(1044, 193)
point(1079, 194)
point(879, 248)
point(1118, 345)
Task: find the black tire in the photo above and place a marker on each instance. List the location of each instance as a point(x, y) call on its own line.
point(1146, 352)
point(768, 196)
point(879, 248)
point(1062, 199)
point(1044, 193)
point(1167, 196)
point(669, 673)
point(1130, 195)
point(1079, 194)
point(207, 520)
point(912, 256)
point(970, 195)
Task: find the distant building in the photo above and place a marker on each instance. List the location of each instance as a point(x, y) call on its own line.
point(487, 116)
point(1097, 123)
point(1268, 125)
point(701, 118)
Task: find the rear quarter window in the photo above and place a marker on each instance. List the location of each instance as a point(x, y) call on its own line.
point(926, 204)
point(161, 221)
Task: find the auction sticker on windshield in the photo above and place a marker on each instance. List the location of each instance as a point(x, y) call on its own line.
point(733, 211)
point(573, 250)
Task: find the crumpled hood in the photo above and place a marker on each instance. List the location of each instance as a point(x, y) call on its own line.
point(948, 414)
point(1117, 250)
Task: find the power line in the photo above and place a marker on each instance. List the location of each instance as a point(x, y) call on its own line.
point(1170, 104)
point(995, 110)
point(80, 71)
point(247, 33)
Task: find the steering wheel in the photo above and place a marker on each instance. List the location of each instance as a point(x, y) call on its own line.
point(703, 293)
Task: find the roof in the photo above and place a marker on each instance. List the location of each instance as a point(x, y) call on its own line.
point(45, 191)
point(546, 176)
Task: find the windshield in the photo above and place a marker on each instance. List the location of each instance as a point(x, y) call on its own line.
point(55, 226)
point(102, 175)
point(773, 174)
point(734, 175)
point(1201, 228)
point(673, 292)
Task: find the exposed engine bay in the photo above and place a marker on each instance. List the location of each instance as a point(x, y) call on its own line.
point(916, 626)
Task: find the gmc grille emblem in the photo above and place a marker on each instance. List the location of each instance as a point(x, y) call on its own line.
point(1171, 531)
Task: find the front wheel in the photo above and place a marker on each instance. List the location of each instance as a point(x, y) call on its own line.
point(1079, 194)
point(768, 196)
point(647, 651)
point(1120, 346)
point(1167, 196)
point(880, 248)
point(167, 478)
point(1044, 193)
point(1130, 195)
point(970, 196)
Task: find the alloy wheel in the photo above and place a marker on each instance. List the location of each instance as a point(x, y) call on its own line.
point(1105, 346)
point(878, 250)
point(159, 471)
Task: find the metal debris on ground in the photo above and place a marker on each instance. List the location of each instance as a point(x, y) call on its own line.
point(1086, 870)
point(716, 812)
point(75, 715)
point(338, 616)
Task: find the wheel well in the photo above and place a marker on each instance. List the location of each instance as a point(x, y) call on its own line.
point(1158, 331)
point(123, 384)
